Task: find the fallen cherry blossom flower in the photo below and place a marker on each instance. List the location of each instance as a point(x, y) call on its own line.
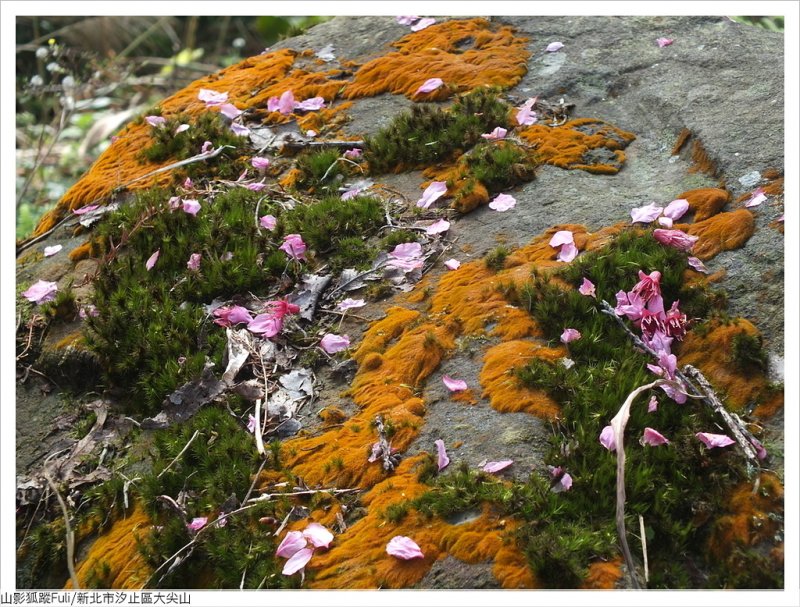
point(259, 162)
point(587, 288)
point(268, 325)
point(87, 311)
point(438, 227)
point(294, 246)
point(188, 183)
point(48, 251)
point(696, 264)
point(191, 206)
point(283, 104)
point(41, 292)
point(653, 438)
point(88, 208)
point(756, 198)
point(407, 19)
point(422, 24)
point(230, 111)
point(646, 214)
point(268, 222)
point(648, 287)
point(607, 438)
point(349, 304)
point(676, 209)
point(652, 405)
point(443, 461)
point(151, 261)
point(525, 114)
point(206, 147)
point(297, 561)
point(675, 238)
point(570, 335)
point(497, 134)
point(452, 264)
point(318, 535)
point(332, 343)
point(181, 128)
point(564, 239)
point(194, 262)
point(493, 467)
point(314, 103)
point(554, 46)
point(403, 547)
point(290, 544)
point(454, 385)
point(155, 121)
point(432, 193)
point(212, 98)
point(430, 85)
point(238, 129)
point(662, 42)
point(353, 153)
point(197, 523)
point(503, 202)
point(233, 315)
point(713, 441)
point(561, 237)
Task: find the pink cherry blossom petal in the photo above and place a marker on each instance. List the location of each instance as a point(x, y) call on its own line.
point(676, 209)
point(430, 85)
point(714, 440)
point(756, 198)
point(503, 202)
point(191, 207)
point(570, 335)
point(211, 98)
point(497, 134)
point(646, 214)
point(155, 121)
point(48, 251)
point(194, 262)
point(268, 325)
point(309, 105)
point(294, 246)
point(206, 147)
point(443, 461)
point(653, 438)
point(259, 162)
point(238, 129)
point(407, 19)
point(332, 343)
point(526, 114)
point(587, 288)
point(554, 46)
point(565, 483)
point(607, 438)
point(251, 428)
point(662, 42)
point(652, 406)
point(297, 561)
point(353, 153)
point(41, 292)
point(229, 110)
point(151, 261)
point(561, 237)
point(257, 186)
point(665, 222)
point(181, 128)
point(568, 252)
point(454, 385)
point(432, 193)
point(438, 227)
point(696, 264)
point(407, 250)
point(761, 453)
point(349, 304)
point(198, 523)
point(268, 222)
point(404, 548)
point(494, 467)
point(88, 208)
point(675, 238)
point(318, 535)
point(452, 264)
point(422, 24)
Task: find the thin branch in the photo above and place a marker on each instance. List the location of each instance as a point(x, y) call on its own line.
point(644, 549)
point(268, 496)
point(177, 457)
point(70, 534)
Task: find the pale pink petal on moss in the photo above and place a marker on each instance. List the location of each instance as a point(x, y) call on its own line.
point(566, 482)
point(570, 335)
point(353, 153)
point(525, 114)
point(41, 292)
point(298, 561)
point(653, 438)
point(268, 222)
point(155, 121)
point(212, 98)
point(86, 209)
point(554, 46)
point(662, 42)
point(407, 19)
point(238, 314)
point(696, 264)
point(194, 262)
point(259, 162)
point(229, 110)
point(407, 250)
point(48, 251)
point(238, 129)
point(251, 428)
point(293, 542)
point(151, 261)
point(454, 385)
point(191, 206)
point(497, 134)
point(403, 547)
point(756, 198)
point(286, 103)
point(714, 440)
point(561, 237)
point(493, 467)
point(206, 147)
point(675, 238)
point(198, 523)
point(503, 202)
point(438, 227)
point(587, 288)
point(309, 105)
point(442, 460)
point(646, 214)
point(348, 304)
point(333, 343)
point(652, 406)
point(665, 222)
point(257, 186)
point(422, 24)
point(430, 85)
point(452, 264)
point(568, 252)
point(318, 535)
point(607, 438)
point(432, 193)
point(181, 128)
point(676, 209)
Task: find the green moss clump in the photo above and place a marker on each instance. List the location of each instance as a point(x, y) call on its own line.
point(499, 165)
point(317, 170)
point(63, 308)
point(429, 134)
point(496, 258)
point(747, 353)
point(399, 236)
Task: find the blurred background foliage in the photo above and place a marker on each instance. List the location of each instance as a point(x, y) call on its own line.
point(80, 79)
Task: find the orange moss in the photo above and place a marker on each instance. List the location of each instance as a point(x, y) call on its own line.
point(82, 251)
point(511, 568)
point(711, 354)
point(772, 402)
point(753, 517)
point(701, 161)
point(384, 331)
point(465, 54)
point(722, 232)
point(332, 415)
point(603, 575)
point(569, 146)
point(326, 118)
point(464, 396)
point(501, 386)
point(683, 137)
point(116, 552)
point(705, 202)
point(72, 339)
